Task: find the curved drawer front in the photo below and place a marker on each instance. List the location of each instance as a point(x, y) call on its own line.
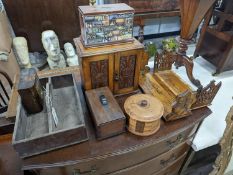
point(156, 164)
point(174, 168)
point(126, 158)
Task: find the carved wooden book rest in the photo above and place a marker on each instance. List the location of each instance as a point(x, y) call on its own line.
point(177, 96)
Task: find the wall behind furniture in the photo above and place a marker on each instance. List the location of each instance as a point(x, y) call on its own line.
point(9, 64)
point(30, 17)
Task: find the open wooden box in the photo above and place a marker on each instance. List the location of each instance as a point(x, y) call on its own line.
point(178, 98)
point(38, 133)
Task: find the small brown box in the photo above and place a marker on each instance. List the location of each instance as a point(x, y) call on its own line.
point(30, 91)
point(107, 115)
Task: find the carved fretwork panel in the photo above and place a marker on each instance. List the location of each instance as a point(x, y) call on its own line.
point(182, 106)
point(164, 61)
point(206, 95)
point(99, 73)
point(127, 71)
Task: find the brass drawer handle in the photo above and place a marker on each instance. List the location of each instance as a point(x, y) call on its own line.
point(91, 172)
point(178, 140)
point(164, 163)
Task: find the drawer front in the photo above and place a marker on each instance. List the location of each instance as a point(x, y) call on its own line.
point(156, 164)
point(174, 168)
point(126, 158)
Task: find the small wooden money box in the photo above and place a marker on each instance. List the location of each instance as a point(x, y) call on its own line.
point(109, 119)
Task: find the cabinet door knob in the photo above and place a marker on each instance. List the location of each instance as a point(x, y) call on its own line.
point(116, 76)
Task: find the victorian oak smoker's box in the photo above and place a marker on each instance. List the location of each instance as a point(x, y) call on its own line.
point(115, 66)
point(61, 122)
point(106, 24)
point(109, 120)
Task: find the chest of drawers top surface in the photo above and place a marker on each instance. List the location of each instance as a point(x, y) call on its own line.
point(115, 146)
point(108, 49)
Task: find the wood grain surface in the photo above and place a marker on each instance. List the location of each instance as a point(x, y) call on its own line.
point(103, 113)
point(105, 9)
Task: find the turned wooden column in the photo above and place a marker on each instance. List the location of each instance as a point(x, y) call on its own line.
point(192, 13)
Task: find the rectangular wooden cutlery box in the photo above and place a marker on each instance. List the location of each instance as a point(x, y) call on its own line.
point(59, 124)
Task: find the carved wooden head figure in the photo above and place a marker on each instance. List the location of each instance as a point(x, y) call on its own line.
point(21, 51)
point(51, 44)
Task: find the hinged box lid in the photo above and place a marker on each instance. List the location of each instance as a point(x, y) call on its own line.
point(104, 113)
point(105, 9)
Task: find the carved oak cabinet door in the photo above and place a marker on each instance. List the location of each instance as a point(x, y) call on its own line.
point(126, 71)
point(98, 71)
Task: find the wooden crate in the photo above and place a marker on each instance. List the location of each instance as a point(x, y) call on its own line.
point(38, 133)
point(107, 115)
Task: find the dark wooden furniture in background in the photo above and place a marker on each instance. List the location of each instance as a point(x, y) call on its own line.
point(6, 126)
point(115, 66)
point(30, 18)
point(4, 95)
point(126, 154)
point(216, 41)
point(192, 13)
point(147, 9)
point(200, 162)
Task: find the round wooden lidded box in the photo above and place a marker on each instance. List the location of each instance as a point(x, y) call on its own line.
point(144, 112)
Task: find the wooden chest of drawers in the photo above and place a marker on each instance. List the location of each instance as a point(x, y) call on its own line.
point(125, 154)
point(115, 66)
